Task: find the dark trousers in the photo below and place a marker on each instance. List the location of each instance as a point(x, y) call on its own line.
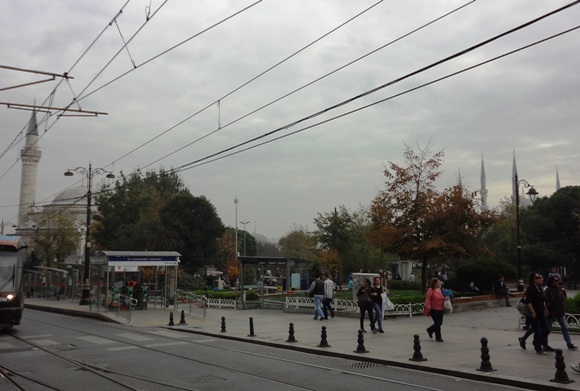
point(437, 317)
point(326, 307)
point(541, 331)
point(368, 309)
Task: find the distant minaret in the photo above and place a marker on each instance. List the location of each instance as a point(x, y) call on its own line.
point(459, 182)
point(483, 191)
point(29, 155)
point(557, 180)
point(514, 180)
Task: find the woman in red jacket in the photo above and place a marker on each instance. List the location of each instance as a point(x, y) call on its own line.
point(434, 308)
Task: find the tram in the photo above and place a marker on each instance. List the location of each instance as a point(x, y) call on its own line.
point(12, 257)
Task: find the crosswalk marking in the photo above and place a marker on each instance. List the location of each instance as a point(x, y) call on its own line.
point(5, 345)
point(121, 348)
point(134, 337)
point(96, 340)
point(37, 336)
point(44, 342)
point(156, 345)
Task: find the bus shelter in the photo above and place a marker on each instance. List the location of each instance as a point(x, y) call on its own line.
point(290, 274)
point(121, 271)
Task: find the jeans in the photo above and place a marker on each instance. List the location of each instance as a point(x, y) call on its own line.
point(437, 317)
point(326, 307)
point(563, 327)
point(378, 307)
point(317, 310)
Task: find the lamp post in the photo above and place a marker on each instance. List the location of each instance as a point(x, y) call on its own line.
point(533, 194)
point(244, 223)
point(236, 202)
point(89, 173)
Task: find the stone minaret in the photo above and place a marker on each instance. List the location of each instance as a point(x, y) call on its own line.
point(483, 191)
point(29, 155)
point(558, 187)
point(514, 184)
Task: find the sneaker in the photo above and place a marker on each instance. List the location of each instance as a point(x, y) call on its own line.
point(549, 349)
point(332, 315)
point(382, 332)
point(430, 334)
point(541, 352)
point(315, 318)
point(439, 340)
point(375, 331)
point(572, 347)
point(522, 343)
point(321, 319)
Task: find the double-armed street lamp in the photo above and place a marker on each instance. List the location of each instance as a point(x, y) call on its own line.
point(533, 194)
point(89, 173)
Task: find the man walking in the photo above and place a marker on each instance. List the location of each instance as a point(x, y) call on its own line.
point(327, 300)
point(316, 291)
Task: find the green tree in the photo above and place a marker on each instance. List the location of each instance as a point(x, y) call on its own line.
point(551, 231)
point(298, 243)
point(55, 237)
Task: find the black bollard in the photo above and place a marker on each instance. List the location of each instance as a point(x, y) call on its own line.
point(361, 343)
point(291, 334)
point(171, 319)
point(417, 355)
point(223, 324)
point(485, 363)
point(561, 375)
point(251, 328)
point(182, 320)
point(323, 341)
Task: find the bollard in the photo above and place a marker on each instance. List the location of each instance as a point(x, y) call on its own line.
point(251, 328)
point(561, 375)
point(361, 343)
point(323, 341)
point(291, 334)
point(182, 320)
point(417, 355)
point(223, 324)
point(171, 319)
point(485, 363)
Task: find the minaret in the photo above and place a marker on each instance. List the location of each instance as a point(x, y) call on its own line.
point(29, 155)
point(483, 191)
point(557, 180)
point(459, 182)
point(514, 181)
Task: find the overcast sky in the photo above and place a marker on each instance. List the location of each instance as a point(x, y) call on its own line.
point(527, 102)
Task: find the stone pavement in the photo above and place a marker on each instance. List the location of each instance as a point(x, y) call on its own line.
point(458, 356)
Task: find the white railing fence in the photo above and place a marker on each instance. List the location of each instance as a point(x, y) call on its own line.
point(345, 304)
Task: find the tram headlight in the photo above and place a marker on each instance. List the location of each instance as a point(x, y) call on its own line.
point(10, 297)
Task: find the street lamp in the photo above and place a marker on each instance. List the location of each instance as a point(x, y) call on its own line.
point(533, 194)
point(244, 223)
point(89, 173)
point(236, 202)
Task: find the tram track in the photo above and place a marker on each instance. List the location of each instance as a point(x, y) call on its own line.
point(221, 366)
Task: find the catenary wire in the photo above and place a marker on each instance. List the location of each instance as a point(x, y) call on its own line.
point(390, 83)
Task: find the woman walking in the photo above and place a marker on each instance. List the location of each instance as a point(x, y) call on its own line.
point(555, 296)
point(365, 304)
point(376, 298)
point(434, 308)
point(534, 299)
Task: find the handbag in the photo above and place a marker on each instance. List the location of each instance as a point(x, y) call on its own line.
point(522, 307)
point(364, 301)
point(447, 306)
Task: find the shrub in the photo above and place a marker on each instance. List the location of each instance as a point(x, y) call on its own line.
point(483, 272)
point(251, 295)
point(572, 306)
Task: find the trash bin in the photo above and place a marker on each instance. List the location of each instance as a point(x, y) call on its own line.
point(521, 285)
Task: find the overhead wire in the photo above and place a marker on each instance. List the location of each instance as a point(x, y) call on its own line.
point(246, 83)
point(201, 162)
point(390, 83)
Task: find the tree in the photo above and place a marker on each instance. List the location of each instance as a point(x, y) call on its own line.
point(55, 237)
point(551, 231)
point(413, 220)
point(298, 243)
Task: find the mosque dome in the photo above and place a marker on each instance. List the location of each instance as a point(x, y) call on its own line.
point(260, 238)
point(74, 195)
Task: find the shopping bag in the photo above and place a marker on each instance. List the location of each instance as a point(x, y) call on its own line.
point(522, 307)
point(447, 306)
point(387, 304)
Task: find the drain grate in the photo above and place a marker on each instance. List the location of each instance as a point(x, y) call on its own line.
point(362, 364)
point(205, 379)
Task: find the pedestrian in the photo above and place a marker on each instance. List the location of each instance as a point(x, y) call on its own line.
point(555, 295)
point(528, 327)
point(412, 277)
point(377, 299)
point(316, 291)
point(434, 308)
point(327, 300)
point(365, 304)
point(534, 299)
point(500, 289)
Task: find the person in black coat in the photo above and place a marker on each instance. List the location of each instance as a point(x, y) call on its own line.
point(502, 290)
point(534, 299)
point(365, 305)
